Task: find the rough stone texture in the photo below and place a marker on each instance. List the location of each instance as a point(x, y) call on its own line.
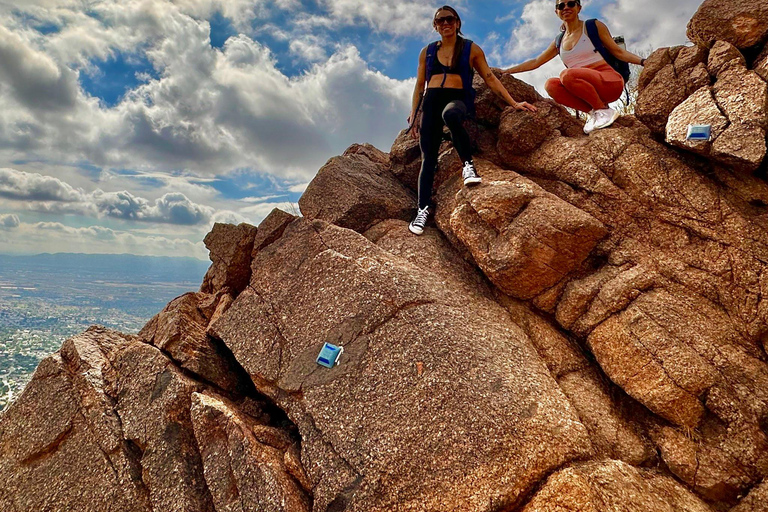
point(641, 345)
point(613, 485)
point(707, 468)
point(230, 249)
point(740, 23)
point(61, 446)
point(489, 107)
point(404, 158)
point(369, 151)
point(413, 351)
point(699, 108)
point(755, 501)
point(760, 66)
point(523, 238)
point(242, 472)
point(271, 228)
point(179, 331)
point(605, 416)
point(670, 76)
point(108, 424)
point(355, 192)
point(736, 107)
point(723, 55)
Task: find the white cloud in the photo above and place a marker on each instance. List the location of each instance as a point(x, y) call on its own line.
point(35, 187)
point(650, 24)
point(9, 221)
point(209, 112)
point(539, 27)
point(397, 17)
point(52, 195)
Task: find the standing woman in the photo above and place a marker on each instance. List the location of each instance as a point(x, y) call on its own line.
point(446, 67)
point(590, 83)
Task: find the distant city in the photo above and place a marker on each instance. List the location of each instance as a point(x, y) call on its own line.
point(47, 298)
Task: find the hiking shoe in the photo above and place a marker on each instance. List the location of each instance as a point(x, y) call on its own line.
point(605, 118)
point(590, 124)
point(417, 225)
point(469, 174)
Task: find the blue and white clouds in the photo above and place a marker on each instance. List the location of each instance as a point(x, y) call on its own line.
point(154, 118)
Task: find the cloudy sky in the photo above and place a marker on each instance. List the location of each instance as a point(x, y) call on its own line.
point(131, 126)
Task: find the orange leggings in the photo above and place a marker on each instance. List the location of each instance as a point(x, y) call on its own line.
point(586, 89)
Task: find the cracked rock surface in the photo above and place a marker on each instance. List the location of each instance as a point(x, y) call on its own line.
point(585, 330)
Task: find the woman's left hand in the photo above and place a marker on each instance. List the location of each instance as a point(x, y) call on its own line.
point(524, 105)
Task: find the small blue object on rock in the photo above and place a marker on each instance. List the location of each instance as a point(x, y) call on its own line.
point(699, 131)
point(329, 355)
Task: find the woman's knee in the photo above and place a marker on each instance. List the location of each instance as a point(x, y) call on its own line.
point(568, 76)
point(552, 85)
point(454, 114)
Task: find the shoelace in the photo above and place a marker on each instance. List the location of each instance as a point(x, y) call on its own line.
point(421, 216)
point(468, 171)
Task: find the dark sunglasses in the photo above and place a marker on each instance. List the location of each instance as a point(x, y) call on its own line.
point(570, 4)
point(450, 20)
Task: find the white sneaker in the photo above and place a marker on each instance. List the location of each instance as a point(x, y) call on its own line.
point(417, 225)
point(605, 118)
point(469, 174)
point(590, 124)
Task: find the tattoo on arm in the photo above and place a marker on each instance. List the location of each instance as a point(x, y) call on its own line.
point(489, 74)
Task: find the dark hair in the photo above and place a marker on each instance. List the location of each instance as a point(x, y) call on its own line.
point(459, 40)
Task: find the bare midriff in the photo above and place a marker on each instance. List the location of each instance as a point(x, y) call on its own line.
point(452, 81)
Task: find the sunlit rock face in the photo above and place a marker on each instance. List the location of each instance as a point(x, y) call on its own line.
point(584, 330)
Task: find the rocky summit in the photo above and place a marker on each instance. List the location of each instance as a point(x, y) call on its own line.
point(584, 331)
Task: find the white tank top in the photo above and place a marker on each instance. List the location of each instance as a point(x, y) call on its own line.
point(582, 54)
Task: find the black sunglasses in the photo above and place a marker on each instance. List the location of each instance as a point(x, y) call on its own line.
point(450, 20)
point(570, 4)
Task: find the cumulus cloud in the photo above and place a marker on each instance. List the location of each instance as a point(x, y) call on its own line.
point(9, 221)
point(398, 17)
point(52, 195)
point(36, 187)
point(209, 110)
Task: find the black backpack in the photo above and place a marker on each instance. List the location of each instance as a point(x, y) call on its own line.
point(619, 65)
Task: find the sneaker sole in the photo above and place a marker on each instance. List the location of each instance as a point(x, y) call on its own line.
point(415, 230)
point(472, 181)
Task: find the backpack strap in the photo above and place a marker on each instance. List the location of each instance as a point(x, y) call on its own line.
point(431, 57)
point(594, 36)
point(620, 66)
point(559, 40)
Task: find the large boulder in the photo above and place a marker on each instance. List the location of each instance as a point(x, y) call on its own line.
point(179, 331)
point(525, 239)
point(670, 76)
point(742, 24)
point(651, 302)
point(230, 249)
point(613, 485)
point(439, 402)
point(356, 191)
point(111, 423)
point(736, 108)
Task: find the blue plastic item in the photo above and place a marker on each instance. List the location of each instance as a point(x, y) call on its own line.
point(329, 355)
point(699, 132)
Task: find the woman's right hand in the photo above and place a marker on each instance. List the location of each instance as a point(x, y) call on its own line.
point(415, 125)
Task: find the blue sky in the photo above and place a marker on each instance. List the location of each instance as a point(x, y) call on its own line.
point(133, 125)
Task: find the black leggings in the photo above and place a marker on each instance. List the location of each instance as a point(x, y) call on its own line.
point(440, 106)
